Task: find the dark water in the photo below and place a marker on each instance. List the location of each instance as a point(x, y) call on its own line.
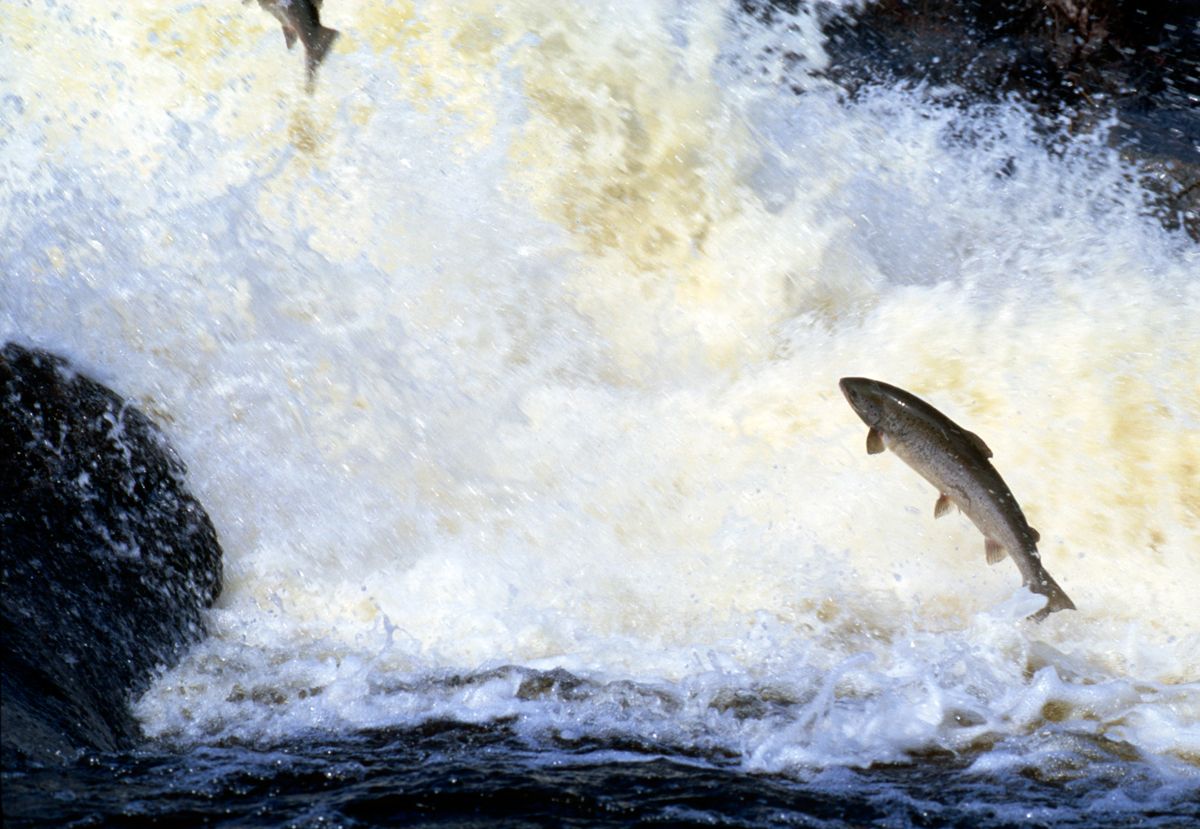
point(462, 775)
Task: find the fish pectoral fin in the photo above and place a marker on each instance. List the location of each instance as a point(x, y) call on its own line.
point(995, 552)
point(942, 506)
point(874, 442)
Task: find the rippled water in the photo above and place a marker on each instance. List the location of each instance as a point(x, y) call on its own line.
point(460, 775)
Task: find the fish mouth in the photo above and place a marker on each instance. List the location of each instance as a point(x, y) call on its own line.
point(854, 383)
point(846, 385)
point(853, 389)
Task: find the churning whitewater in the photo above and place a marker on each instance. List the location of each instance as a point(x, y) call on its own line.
point(504, 359)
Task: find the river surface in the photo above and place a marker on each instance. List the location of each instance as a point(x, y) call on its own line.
point(505, 363)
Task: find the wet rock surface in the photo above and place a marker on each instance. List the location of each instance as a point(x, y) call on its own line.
point(1079, 63)
point(106, 559)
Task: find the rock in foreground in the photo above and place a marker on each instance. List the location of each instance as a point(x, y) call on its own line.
point(106, 559)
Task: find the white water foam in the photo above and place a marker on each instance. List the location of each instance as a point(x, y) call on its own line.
point(514, 349)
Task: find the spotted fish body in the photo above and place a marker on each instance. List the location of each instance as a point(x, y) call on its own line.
point(956, 462)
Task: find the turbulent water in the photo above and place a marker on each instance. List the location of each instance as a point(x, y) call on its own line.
point(506, 364)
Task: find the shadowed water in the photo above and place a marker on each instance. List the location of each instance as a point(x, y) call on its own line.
point(447, 775)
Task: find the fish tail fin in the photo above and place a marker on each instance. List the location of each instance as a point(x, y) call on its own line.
point(318, 45)
point(1045, 585)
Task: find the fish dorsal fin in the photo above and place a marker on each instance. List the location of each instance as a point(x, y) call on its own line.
point(942, 506)
point(874, 442)
point(979, 444)
point(995, 552)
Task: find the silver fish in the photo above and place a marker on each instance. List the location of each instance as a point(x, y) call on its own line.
point(956, 462)
point(301, 19)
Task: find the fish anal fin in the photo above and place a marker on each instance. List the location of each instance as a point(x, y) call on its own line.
point(289, 36)
point(874, 442)
point(979, 444)
point(995, 552)
point(942, 506)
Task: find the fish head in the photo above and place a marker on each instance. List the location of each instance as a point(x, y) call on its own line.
point(865, 397)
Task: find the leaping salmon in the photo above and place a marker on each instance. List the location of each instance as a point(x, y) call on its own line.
point(302, 19)
point(956, 462)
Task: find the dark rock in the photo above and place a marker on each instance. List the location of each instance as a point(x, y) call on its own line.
point(1076, 62)
point(106, 560)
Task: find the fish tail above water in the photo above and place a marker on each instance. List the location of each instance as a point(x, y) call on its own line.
point(301, 20)
point(1044, 584)
point(317, 45)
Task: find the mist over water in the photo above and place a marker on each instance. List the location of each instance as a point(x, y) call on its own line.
point(506, 366)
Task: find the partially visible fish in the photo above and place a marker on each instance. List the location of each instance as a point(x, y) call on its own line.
point(956, 462)
point(301, 19)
